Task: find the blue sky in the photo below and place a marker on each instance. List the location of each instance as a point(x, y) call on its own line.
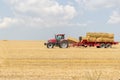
point(41, 19)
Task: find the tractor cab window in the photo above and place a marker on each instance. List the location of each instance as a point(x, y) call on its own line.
point(58, 37)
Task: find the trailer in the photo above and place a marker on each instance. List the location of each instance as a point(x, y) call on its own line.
point(86, 43)
point(94, 39)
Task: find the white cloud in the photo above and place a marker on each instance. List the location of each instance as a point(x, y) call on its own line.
point(114, 18)
point(7, 22)
point(95, 4)
point(42, 8)
point(45, 13)
point(35, 22)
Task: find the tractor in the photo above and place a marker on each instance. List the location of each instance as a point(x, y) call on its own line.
point(58, 41)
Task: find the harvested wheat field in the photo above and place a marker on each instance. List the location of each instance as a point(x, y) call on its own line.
point(31, 60)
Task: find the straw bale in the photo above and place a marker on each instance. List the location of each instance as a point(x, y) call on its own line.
point(91, 39)
point(99, 35)
point(111, 36)
point(71, 39)
point(99, 40)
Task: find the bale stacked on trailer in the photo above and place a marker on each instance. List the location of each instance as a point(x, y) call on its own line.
point(99, 37)
point(72, 40)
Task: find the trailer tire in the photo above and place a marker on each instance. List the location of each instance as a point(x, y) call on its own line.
point(97, 46)
point(102, 45)
point(108, 45)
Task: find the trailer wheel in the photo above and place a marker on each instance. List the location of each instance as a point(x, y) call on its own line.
point(102, 45)
point(85, 46)
point(97, 46)
point(50, 45)
point(108, 45)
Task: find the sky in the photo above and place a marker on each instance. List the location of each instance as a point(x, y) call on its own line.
point(42, 19)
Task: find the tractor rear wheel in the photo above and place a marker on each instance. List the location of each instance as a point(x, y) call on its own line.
point(64, 44)
point(50, 45)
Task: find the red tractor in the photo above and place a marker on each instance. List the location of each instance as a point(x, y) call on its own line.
point(59, 41)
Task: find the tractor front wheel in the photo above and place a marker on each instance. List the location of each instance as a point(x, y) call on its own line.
point(50, 45)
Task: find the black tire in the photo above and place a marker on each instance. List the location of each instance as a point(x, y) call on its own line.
point(102, 45)
point(64, 44)
point(97, 46)
point(108, 45)
point(50, 45)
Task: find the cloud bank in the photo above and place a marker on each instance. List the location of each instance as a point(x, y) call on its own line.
point(50, 13)
point(114, 18)
point(39, 13)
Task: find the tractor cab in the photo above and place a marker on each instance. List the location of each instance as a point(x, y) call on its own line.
point(59, 37)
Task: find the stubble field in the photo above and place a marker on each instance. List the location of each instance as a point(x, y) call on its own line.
point(31, 60)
